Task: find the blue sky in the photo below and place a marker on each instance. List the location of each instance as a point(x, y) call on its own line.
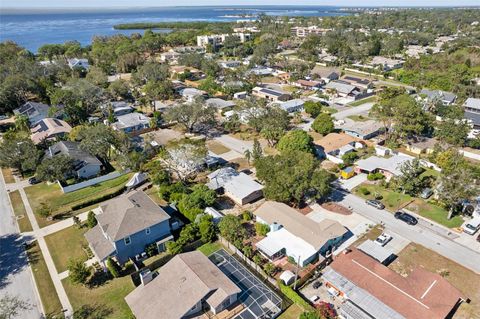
point(153, 3)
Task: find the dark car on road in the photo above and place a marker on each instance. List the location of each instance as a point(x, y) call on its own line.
point(33, 181)
point(375, 203)
point(405, 217)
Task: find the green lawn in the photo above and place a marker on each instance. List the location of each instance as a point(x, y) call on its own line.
point(46, 289)
point(435, 213)
point(369, 99)
point(61, 203)
point(292, 312)
point(392, 200)
point(8, 176)
point(67, 244)
point(209, 248)
point(110, 296)
point(20, 212)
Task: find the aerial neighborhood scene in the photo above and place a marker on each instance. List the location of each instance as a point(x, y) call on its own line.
point(214, 160)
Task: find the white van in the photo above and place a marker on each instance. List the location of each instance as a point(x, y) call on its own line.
point(472, 226)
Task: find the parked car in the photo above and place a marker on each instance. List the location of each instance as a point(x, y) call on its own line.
point(407, 218)
point(472, 226)
point(314, 299)
point(375, 203)
point(426, 193)
point(316, 284)
point(383, 239)
point(33, 180)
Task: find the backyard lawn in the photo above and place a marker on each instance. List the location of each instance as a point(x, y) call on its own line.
point(59, 202)
point(46, 289)
point(465, 280)
point(20, 212)
point(109, 295)
point(209, 248)
point(359, 118)
point(292, 312)
point(8, 176)
point(67, 244)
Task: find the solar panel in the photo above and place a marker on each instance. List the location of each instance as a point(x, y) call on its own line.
point(272, 92)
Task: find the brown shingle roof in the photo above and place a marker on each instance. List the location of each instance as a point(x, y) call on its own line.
point(184, 281)
point(420, 295)
point(129, 214)
point(334, 141)
point(316, 234)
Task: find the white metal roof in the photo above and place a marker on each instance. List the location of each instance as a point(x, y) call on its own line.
point(375, 251)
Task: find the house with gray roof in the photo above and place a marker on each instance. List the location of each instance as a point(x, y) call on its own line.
point(78, 63)
point(472, 111)
point(327, 74)
point(291, 106)
point(131, 123)
point(270, 94)
point(433, 96)
point(85, 165)
point(33, 110)
point(183, 288)
point(345, 89)
point(126, 225)
point(219, 103)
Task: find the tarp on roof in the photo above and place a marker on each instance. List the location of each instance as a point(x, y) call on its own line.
point(137, 179)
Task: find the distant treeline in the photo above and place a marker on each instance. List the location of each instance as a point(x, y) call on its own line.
point(170, 25)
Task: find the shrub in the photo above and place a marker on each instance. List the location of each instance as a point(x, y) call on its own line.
point(246, 216)
point(269, 269)
point(78, 272)
point(364, 191)
point(99, 199)
point(294, 296)
point(113, 267)
point(257, 260)
point(375, 176)
point(323, 124)
point(261, 229)
point(151, 250)
point(91, 219)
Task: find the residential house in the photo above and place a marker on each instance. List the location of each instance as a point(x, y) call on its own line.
point(127, 225)
point(230, 64)
point(219, 103)
point(295, 235)
point(303, 32)
point(434, 96)
point(333, 146)
point(48, 129)
point(308, 85)
point(118, 108)
point(327, 57)
point(190, 94)
point(292, 106)
point(369, 289)
point(170, 57)
point(362, 83)
point(33, 110)
point(187, 285)
point(78, 63)
point(85, 165)
point(189, 49)
point(364, 130)
point(386, 64)
point(390, 167)
point(134, 123)
point(344, 89)
point(424, 145)
point(261, 71)
point(325, 73)
point(270, 94)
point(472, 111)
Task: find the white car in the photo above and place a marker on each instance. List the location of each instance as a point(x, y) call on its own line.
point(383, 239)
point(314, 299)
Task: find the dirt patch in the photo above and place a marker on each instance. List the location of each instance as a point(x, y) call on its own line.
point(305, 210)
point(217, 148)
point(465, 280)
point(336, 208)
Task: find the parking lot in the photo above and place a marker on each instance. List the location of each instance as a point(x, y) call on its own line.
point(260, 301)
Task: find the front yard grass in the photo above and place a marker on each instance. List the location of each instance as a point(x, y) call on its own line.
point(371, 234)
point(465, 280)
point(65, 244)
point(209, 248)
point(435, 213)
point(60, 203)
point(8, 175)
point(370, 99)
point(110, 295)
point(217, 148)
point(46, 289)
point(392, 200)
point(20, 212)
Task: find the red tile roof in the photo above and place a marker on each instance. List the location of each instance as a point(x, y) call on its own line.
point(420, 295)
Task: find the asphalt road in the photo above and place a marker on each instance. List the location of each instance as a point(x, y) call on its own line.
point(418, 234)
point(15, 274)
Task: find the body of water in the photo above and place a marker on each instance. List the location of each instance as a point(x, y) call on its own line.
point(32, 29)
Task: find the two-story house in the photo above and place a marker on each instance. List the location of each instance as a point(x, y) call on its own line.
point(126, 225)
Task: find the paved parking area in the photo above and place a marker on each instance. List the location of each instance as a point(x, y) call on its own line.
point(260, 301)
point(397, 244)
point(352, 222)
point(353, 182)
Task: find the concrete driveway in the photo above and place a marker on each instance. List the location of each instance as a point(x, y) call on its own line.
point(235, 144)
point(353, 110)
point(353, 182)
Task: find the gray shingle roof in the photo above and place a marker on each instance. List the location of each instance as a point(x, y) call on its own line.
point(128, 214)
point(73, 150)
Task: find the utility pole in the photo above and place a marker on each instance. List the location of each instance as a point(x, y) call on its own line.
point(296, 274)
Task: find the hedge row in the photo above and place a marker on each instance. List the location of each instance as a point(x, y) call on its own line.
point(97, 200)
